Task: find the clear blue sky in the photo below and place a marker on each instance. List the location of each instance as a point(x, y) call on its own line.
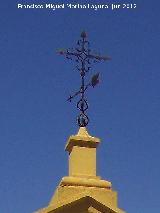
point(36, 120)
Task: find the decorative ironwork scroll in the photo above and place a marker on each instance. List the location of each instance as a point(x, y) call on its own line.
point(83, 56)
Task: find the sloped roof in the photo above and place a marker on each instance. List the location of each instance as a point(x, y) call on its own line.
point(82, 205)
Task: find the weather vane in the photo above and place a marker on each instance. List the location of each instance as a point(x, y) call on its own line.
point(84, 58)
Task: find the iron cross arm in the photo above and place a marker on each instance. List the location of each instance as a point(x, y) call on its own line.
point(68, 53)
point(83, 55)
point(99, 58)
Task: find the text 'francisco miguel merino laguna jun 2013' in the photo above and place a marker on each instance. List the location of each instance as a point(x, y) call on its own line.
point(76, 6)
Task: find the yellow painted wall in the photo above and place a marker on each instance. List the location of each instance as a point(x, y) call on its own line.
point(82, 161)
point(82, 180)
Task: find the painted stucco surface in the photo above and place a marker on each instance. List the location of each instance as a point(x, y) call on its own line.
point(82, 191)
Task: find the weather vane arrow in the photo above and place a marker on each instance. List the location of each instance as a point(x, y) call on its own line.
point(84, 58)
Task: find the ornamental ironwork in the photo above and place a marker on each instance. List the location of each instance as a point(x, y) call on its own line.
point(84, 58)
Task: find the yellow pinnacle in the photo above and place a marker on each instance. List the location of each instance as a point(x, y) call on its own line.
point(82, 190)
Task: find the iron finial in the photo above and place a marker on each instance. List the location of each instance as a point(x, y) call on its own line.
point(84, 58)
point(83, 34)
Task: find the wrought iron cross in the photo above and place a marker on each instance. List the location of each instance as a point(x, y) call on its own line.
point(83, 57)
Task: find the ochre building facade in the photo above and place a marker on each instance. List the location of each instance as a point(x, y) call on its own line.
point(82, 191)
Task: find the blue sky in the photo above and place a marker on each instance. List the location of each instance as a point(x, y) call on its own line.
point(36, 119)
